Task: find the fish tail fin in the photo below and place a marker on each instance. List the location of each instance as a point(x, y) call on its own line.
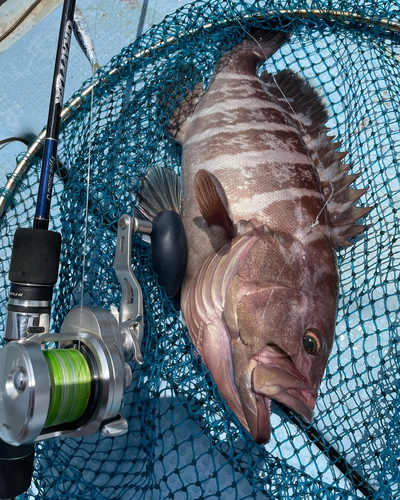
point(264, 42)
point(304, 108)
point(161, 190)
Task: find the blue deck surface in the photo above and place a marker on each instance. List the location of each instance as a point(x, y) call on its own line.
point(26, 68)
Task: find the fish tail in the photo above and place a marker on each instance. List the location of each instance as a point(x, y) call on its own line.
point(161, 190)
point(264, 43)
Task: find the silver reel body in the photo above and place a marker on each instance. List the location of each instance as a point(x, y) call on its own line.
point(106, 340)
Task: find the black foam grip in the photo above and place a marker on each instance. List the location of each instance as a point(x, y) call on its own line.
point(16, 468)
point(35, 256)
point(169, 251)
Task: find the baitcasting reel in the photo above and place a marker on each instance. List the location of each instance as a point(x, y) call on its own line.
point(75, 387)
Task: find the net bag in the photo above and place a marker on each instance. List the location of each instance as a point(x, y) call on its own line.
point(183, 440)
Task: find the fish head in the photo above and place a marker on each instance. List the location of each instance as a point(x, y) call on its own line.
point(280, 312)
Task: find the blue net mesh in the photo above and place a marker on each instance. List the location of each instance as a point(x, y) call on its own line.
point(183, 441)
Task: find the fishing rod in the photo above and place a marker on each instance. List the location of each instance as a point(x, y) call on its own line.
point(76, 387)
point(331, 453)
point(34, 267)
point(49, 162)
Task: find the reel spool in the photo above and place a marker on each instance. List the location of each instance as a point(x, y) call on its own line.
point(70, 385)
point(74, 389)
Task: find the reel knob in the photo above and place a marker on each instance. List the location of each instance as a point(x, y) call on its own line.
point(169, 251)
point(23, 410)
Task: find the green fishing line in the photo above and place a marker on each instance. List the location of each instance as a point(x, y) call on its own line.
point(70, 384)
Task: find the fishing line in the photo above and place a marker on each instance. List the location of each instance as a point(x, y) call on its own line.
point(88, 178)
point(315, 152)
point(332, 190)
point(265, 155)
point(126, 98)
point(297, 245)
point(70, 385)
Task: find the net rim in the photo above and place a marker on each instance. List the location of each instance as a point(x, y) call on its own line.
point(75, 102)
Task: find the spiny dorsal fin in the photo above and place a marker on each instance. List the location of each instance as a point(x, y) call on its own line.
point(304, 109)
point(213, 202)
point(161, 190)
point(342, 234)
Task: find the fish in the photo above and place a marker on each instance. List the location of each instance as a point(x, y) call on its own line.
point(84, 38)
point(266, 201)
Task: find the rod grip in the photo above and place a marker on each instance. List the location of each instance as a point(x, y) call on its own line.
point(35, 257)
point(16, 469)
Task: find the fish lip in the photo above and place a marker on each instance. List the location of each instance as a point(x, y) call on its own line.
point(276, 377)
point(298, 403)
point(272, 355)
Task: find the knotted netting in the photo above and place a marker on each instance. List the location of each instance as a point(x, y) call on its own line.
point(183, 441)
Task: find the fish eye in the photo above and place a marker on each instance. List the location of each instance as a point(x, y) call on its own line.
point(312, 342)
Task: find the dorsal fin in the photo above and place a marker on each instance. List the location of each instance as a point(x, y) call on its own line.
point(304, 109)
point(213, 202)
point(297, 99)
point(161, 190)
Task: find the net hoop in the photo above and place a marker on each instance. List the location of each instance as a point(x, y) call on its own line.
point(76, 101)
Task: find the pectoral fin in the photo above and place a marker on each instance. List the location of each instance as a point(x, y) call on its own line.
point(213, 202)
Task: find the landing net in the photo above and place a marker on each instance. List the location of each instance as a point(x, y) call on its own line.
point(183, 441)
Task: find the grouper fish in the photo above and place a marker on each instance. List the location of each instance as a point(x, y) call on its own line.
point(265, 202)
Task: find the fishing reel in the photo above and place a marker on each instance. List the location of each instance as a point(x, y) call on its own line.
point(72, 383)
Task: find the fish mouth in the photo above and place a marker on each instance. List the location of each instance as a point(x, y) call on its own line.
point(275, 376)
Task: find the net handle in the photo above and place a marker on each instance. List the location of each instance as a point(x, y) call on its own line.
point(76, 102)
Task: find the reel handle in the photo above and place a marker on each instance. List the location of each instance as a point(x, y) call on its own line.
point(169, 251)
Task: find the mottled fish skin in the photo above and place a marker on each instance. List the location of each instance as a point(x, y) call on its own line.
point(241, 137)
point(250, 297)
point(84, 38)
